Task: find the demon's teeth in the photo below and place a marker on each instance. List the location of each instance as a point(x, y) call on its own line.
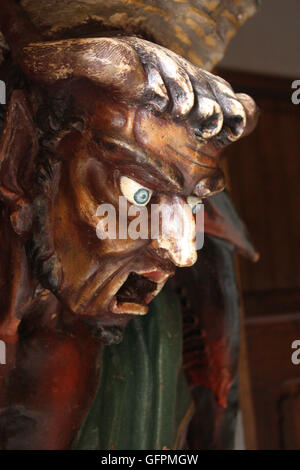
point(128, 308)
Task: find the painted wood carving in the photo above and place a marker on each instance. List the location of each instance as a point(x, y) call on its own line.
point(101, 110)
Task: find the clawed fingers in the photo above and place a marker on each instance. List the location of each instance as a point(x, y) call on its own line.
point(207, 118)
point(165, 74)
point(156, 93)
point(226, 120)
point(185, 91)
point(233, 111)
point(251, 110)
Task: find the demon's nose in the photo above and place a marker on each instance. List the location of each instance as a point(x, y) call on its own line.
point(177, 231)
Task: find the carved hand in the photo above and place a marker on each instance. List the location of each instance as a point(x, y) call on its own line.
point(143, 72)
point(208, 101)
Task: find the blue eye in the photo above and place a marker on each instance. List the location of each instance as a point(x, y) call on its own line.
point(135, 192)
point(195, 204)
point(197, 208)
point(142, 196)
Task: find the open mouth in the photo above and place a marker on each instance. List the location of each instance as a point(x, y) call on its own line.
point(137, 292)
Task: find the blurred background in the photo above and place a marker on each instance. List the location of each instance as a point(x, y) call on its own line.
point(264, 170)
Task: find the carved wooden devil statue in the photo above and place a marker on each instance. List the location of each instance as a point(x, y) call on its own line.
point(108, 111)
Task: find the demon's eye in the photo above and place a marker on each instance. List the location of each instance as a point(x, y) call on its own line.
point(195, 203)
point(134, 192)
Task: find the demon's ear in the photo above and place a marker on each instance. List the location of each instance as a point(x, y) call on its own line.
point(18, 151)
